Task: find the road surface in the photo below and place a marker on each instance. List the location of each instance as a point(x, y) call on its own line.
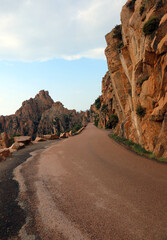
point(88, 187)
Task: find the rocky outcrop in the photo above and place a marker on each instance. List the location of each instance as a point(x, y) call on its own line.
point(40, 116)
point(25, 121)
point(135, 87)
point(58, 119)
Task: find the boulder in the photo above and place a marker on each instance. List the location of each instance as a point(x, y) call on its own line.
point(63, 135)
point(70, 133)
point(39, 139)
point(23, 139)
point(50, 137)
point(4, 153)
point(16, 146)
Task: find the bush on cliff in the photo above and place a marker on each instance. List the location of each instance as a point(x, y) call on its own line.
point(104, 108)
point(14, 135)
point(131, 5)
point(98, 103)
point(142, 8)
point(151, 26)
point(159, 4)
point(96, 121)
point(112, 122)
point(117, 32)
point(140, 111)
point(76, 128)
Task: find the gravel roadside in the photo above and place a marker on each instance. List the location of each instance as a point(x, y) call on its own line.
point(12, 217)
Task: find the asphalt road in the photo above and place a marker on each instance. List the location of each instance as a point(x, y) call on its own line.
point(88, 187)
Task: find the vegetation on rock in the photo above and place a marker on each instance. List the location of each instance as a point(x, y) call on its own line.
point(142, 8)
point(117, 32)
point(131, 5)
point(112, 122)
point(159, 4)
point(96, 120)
point(76, 128)
point(98, 103)
point(151, 26)
point(104, 108)
point(140, 111)
point(130, 91)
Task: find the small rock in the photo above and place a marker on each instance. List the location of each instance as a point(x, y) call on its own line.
point(50, 137)
point(23, 139)
point(4, 153)
point(63, 135)
point(39, 139)
point(70, 133)
point(16, 146)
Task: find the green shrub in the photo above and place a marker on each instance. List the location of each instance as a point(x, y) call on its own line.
point(76, 128)
point(162, 159)
point(131, 5)
point(130, 91)
point(143, 80)
point(139, 149)
point(113, 121)
point(117, 32)
point(96, 121)
point(104, 108)
point(151, 26)
point(14, 135)
point(120, 45)
point(140, 111)
point(159, 4)
point(98, 103)
point(142, 8)
point(134, 146)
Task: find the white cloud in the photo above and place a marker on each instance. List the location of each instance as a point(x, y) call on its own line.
point(46, 29)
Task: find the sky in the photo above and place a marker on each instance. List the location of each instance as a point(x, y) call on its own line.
point(55, 45)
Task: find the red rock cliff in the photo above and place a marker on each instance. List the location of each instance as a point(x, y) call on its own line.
point(40, 115)
point(135, 88)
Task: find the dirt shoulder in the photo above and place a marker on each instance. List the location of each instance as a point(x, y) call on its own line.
point(12, 217)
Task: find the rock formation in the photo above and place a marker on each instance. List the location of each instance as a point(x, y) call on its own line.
point(40, 116)
point(59, 119)
point(135, 87)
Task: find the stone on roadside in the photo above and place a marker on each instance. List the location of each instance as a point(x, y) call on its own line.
point(70, 133)
point(39, 139)
point(16, 146)
point(50, 137)
point(23, 139)
point(63, 135)
point(4, 153)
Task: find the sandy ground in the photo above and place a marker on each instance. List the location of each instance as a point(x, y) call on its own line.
point(89, 187)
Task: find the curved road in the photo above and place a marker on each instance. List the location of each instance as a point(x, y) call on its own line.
point(89, 187)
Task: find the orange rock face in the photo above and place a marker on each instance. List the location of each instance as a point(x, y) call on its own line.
point(41, 116)
point(136, 83)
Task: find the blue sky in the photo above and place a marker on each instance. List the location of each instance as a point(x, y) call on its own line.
point(54, 45)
